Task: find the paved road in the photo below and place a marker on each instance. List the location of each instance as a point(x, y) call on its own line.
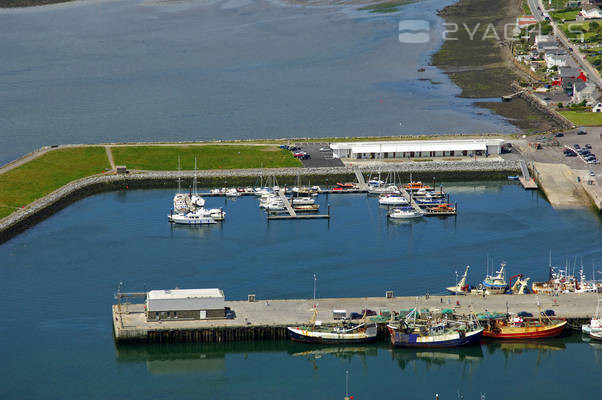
point(318, 158)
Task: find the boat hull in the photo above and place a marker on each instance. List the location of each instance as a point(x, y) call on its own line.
point(528, 332)
point(305, 336)
point(414, 340)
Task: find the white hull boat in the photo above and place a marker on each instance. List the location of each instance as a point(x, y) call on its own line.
point(399, 213)
point(389, 200)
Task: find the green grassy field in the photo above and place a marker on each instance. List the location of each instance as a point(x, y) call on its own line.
point(47, 173)
point(584, 118)
point(161, 158)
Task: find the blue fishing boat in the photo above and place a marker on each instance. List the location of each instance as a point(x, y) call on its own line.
point(432, 332)
point(513, 177)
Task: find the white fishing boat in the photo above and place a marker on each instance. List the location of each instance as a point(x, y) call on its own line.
point(392, 200)
point(405, 213)
point(595, 324)
point(495, 284)
point(461, 286)
point(596, 335)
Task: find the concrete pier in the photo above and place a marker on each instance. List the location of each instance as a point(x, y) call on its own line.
point(268, 319)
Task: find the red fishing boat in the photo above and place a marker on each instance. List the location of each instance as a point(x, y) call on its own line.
point(345, 185)
point(523, 328)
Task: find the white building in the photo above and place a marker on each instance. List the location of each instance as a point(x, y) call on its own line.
point(590, 11)
point(556, 60)
point(418, 148)
point(543, 38)
point(185, 304)
point(597, 108)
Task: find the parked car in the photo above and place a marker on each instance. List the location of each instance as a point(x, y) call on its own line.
point(592, 173)
point(581, 132)
point(570, 154)
point(525, 314)
point(356, 315)
point(369, 312)
point(324, 149)
point(577, 146)
point(294, 148)
point(593, 161)
point(284, 146)
point(549, 313)
point(588, 146)
point(305, 157)
point(559, 134)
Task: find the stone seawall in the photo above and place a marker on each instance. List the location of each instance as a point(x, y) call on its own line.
point(542, 107)
point(42, 208)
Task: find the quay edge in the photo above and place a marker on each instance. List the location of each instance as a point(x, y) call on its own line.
point(269, 319)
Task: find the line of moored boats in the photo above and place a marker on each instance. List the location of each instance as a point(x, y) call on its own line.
point(440, 328)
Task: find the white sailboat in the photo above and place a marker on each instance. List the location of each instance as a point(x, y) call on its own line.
point(405, 213)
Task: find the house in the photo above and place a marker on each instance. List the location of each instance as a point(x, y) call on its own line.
point(556, 59)
point(544, 47)
point(585, 91)
point(543, 38)
point(590, 11)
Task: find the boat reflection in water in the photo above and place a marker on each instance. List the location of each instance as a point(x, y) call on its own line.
point(438, 356)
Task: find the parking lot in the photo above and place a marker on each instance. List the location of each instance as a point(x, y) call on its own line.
point(554, 154)
point(318, 158)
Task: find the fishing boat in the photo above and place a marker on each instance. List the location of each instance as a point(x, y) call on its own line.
point(232, 192)
point(596, 335)
point(344, 332)
point(345, 185)
point(495, 284)
point(513, 177)
point(405, 213)
point(461, 287)
point(595, 324)
point(392, 200)
point(431, 332)
point(516, 327)
point(523, 328)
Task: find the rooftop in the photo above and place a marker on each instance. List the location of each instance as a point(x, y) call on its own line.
point(184, 294)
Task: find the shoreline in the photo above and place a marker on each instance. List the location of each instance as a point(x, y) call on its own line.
point(481, 68)
point(22, 219)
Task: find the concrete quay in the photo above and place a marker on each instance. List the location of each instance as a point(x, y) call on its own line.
point(268, 319)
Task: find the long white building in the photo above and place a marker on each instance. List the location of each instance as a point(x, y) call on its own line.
point(416, 148)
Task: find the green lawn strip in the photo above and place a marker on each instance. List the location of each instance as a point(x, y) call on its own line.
point(163, 158)
point(585, 118)
point(526, 9)
point(386, 7)
point(37, 178)
point(564, 15)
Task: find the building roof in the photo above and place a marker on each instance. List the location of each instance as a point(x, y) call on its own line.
point(568, 72)
point(184, 294)
point(417, 146)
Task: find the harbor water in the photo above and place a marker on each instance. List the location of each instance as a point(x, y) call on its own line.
point(60, 276)
point(148, 70)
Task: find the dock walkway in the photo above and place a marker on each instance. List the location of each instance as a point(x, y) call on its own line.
point(287, 204)
point(526, 180)
point(130, 322)
point(360, 178)
point(413, 203)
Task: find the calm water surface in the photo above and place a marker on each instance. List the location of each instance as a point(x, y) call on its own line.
point(98, 71)
point(59, 278)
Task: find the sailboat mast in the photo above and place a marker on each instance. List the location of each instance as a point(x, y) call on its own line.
point(179, 178)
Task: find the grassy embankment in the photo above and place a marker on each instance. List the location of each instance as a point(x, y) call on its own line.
point(164, 158)
point(585, 118)
point(47, 173)
point(386, 6)
point(41, 176)
point(480, 66)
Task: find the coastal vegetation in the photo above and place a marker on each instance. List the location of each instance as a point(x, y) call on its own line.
point(163, 158)
point(583, 118)
point(37, 178)
point(386, 7)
